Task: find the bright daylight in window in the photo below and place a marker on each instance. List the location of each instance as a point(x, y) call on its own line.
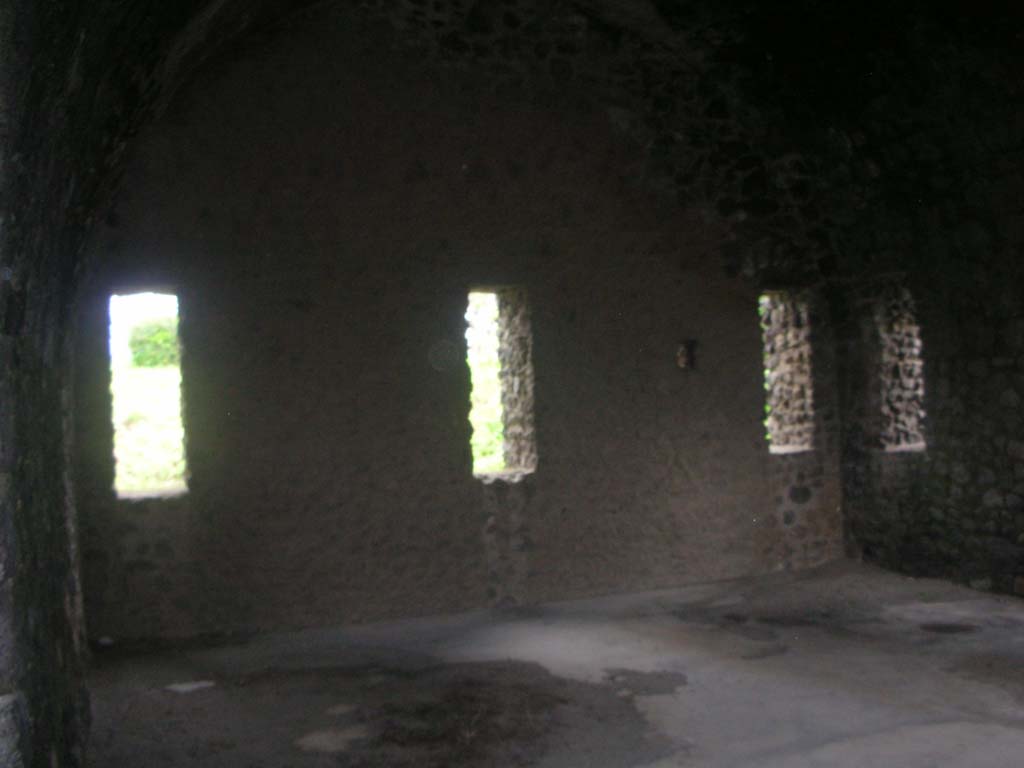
point(486, 415)
point(149, 440)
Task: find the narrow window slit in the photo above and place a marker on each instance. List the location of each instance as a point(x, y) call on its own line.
point(499, 354)
point(901, 373)
point(788, 382)
point(145, 373)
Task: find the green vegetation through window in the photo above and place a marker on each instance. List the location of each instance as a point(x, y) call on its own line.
point(145, 372)
point(486, 416)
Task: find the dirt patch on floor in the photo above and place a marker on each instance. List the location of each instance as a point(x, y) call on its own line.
point(733, 622)
point(1005, 670)
point(949, 628)
point(770, 625)
point(495, 714)
point(630, 682)
point(479, 715)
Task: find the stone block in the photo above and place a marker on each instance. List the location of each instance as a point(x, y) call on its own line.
point(992, 498)
point(978, 369)
point(13, 723)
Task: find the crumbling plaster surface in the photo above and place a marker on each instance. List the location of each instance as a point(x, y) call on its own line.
point(322, 203)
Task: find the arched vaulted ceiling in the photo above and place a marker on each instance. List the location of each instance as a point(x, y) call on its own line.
point(913, 109)
point(77, 79)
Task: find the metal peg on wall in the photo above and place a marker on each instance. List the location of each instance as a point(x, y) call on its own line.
point(686, 357)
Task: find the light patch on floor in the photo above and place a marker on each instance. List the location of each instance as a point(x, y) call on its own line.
point(332, 740)
point(191, 687)
point(977, 745)
point(844, 667)
point(965, 613)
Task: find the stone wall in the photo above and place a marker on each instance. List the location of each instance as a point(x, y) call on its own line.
point(322, 257)
point(515, 354)
point(76, 80)
point(900, 372)
point(804, 481)
point(838, 146)
point(931, 200)
point(788, 372)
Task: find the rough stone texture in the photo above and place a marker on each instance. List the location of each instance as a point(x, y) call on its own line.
point(15, 731)
point(42, 640)
point(789, 379)
point(836, 145)
point(507, 542)
point(932, 200)
point(322, 259)
point(515, 353)
point(76, 80)
point(900, 372)
point(805, 484)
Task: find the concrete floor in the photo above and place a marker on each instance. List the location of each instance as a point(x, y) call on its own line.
point(844, 666)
